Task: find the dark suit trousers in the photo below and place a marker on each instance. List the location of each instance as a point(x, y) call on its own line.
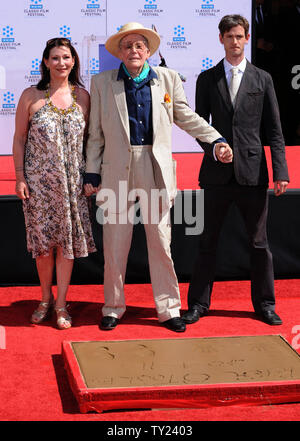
point(253, 205)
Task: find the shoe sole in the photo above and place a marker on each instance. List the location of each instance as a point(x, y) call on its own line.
point(175, 330)
point(272, 324)
point(107, 328)
point(264, 320)
point(190, 322)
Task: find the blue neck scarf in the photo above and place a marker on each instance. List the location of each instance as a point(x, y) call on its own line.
point(141, 77)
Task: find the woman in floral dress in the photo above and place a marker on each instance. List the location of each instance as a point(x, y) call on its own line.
point(51, 121)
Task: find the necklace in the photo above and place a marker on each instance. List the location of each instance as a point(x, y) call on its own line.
point(70, 109)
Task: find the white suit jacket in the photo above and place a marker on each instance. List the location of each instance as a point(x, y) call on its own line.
point(108, 146)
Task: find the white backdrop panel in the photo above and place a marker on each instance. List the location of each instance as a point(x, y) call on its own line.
point(188, 30)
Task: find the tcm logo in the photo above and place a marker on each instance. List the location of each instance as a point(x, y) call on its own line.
point(35, 66)
point(8, 101)
point(36, 4)
point(151, 4)
point(207, 63)
point(94, 66)
point(178, 33)
point(7, 34)
point(2, 77)
point(208, 4)
point(93, 4)
point(65, 32)
point(296, 79)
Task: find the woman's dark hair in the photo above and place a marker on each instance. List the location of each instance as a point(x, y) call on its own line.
point(74, 77)
point(230, 21)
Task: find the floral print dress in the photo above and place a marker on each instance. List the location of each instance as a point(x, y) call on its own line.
point(56, 213)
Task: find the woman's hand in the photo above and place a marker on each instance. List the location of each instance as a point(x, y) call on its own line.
point(89, 189)
point(22, 190)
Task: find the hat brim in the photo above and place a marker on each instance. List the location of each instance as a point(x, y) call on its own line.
point(113, 42)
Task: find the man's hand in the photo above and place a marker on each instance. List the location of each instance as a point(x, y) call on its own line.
point(280, 187)
point(89, 189)
point(223, 152)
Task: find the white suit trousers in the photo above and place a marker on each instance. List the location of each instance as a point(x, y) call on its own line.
point(117, 238)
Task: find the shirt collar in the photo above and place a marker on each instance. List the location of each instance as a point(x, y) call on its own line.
point(241, 66)
point(122, 75)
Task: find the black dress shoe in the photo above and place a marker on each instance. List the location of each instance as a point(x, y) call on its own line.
point(107, 323)
point(270, 317)
point(175, 324)
point(192, 315)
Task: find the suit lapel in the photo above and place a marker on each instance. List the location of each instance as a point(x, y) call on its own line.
point(120, 97)
point(244, 86)
point(156, 104)
point(222, 85)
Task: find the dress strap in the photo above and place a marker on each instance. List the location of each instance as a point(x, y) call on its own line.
point(47, 96)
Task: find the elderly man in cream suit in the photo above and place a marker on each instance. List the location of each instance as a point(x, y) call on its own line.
point(129, 152)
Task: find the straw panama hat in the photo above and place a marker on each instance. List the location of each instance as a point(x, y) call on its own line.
point(112, 44)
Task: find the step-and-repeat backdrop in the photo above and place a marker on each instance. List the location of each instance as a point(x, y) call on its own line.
point(188, 30)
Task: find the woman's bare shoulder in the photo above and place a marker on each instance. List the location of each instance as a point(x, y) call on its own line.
point(32, 94)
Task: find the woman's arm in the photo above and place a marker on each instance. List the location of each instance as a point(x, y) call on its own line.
point(19, 141)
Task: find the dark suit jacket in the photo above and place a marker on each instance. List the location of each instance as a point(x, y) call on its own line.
point(256, 113)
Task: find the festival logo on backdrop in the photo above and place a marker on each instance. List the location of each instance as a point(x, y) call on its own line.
point(94, 66)
point(179, 39)
point(7, 103)
point(8, 40)
point(207, 9)
point(207, 63)
point(36, 8)
point(93, 8)
point(150, 8)
point(64, 31)
point(34, 74)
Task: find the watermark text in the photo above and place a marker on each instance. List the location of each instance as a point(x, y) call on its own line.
point(2, 338)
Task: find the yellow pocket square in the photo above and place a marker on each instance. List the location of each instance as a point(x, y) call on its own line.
point(167, 98)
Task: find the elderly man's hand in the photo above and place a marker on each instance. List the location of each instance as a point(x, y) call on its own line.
point(223, 152)
point(89, 189)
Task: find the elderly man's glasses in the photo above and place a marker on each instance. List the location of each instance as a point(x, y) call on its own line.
point(138, 46)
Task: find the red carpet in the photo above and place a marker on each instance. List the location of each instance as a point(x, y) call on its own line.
point(188, 165)
point(33, 382)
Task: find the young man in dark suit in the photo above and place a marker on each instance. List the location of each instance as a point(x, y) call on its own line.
point(240, 100)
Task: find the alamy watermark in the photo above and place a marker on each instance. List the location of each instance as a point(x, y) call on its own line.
point(2, 338)
point(151, 208)
point(296, 78)
point(296, 339)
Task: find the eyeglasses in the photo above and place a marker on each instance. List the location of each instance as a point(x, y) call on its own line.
point(138, 46)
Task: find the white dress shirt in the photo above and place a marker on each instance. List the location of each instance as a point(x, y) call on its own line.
point(228, 75)
point(241, 69)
